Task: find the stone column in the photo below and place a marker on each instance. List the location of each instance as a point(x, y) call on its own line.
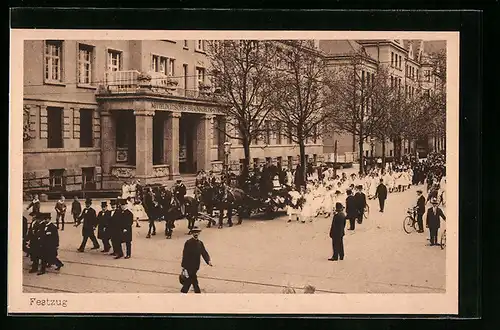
point(144, 143)
point(108, 142)
point(204, 142)
point(171, 145)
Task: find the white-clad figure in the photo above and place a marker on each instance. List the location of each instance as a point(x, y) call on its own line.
point(289, 178)
point(125, 190)
point(373, 186)
point(276, 183)
point(294, 208)
point(138, 212)
point(308, 207)
point(132, 189)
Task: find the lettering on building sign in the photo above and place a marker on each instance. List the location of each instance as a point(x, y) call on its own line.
point(183, 108)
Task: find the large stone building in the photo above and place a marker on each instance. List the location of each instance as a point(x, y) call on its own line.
point(100, 112)
point(409, 68)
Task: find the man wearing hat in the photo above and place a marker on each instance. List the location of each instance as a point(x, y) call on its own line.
point(35, 204)
point(102, 226)
point(114, 228)
point(381, 194)
point(433, 220)
point(89, 218)
point(33, 238)
point(360, 198)
point(179, 193)
point(126, 219)
point(193, 250)
point(420, 208)
point(337, 233)
point(49, 243)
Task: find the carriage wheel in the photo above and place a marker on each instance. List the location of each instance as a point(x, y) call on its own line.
point(408, 224)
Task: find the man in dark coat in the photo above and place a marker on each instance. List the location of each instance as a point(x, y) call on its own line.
point(351, 209)
point(60, 212)
point(89, 218)
point(193, 250)
point(433, 221)
point(34, 240)
point(49, 243)
point(180, 191)
point(25, 235)
point(381, 194)
point(102, 226)
point(114, 229)
point(126, 221)
point(76, 210)
point(420, 208)
point(360, 203)
point(337, 233)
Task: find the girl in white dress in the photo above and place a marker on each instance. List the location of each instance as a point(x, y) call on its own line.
point(307, 209)
point(373, 186)
point(125, 190)
point(139, 213)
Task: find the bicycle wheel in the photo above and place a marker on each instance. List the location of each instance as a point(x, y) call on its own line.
point(408, 225)
point(367, 212)
point(443, 240)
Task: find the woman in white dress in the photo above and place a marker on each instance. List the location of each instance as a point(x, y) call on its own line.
point(294, 208)
point(373, 186)
point(125, 190)
point(307, 209)
point(139, 213)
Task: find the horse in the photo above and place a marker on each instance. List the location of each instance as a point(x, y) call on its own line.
point(230, 199)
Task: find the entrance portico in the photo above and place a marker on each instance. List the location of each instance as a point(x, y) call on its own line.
point(154, 139)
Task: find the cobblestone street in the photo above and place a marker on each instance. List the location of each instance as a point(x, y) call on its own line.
point(260, 256)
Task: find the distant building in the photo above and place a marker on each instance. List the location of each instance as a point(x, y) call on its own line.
point(409, 69)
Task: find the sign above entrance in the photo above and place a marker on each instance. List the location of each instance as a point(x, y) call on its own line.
point(193, 108)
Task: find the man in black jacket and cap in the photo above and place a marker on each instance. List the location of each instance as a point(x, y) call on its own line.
point(381, 194)
point(193, 250)
point(49, 243)
point(337, 233)
point(89, 218)
point(126, 222)
point(420, 208)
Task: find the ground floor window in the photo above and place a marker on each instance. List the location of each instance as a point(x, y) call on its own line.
point(57, 181)
point(279, 160)
point(268, 160)
point(256, 162)
point(88, 178)
point(390, 153)
point(290, 162)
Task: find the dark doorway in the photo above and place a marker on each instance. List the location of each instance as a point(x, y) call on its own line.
point(158, 138)
point(125, 135)
point(187, 136)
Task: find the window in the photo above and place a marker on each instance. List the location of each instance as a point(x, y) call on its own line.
point(54, 127)
point(256, 162)
point(267, 136)
point(315, 134)
point(427, 75)
point(278, 133)
point(290, 162)
point(392, 59)
point(289, 134)
point(171, 67)
point(400, 61)
point(366, 153)
point(200, 76)
point(255, 135)
point(57, 180)
point(86, 128)
point(114, 60)
point(315, 158)
point(268, 160)
point(159, 64)
point(362, 79)
point(88, 180)
point(185, 44)
point(85, 59)
point(185, 69)
point(392, 82)
point(215, 131)
point(279, 160)
point(395, 60)
point(390, 152)
point(200, 45)
point(53, 61)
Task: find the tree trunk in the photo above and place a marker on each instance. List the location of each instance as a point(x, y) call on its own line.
point(397, 148)
point(361, 157)
point(246, 161)
point(302, 150)
point(383, 152)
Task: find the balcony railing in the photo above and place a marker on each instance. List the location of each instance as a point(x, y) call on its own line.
point(133, 81)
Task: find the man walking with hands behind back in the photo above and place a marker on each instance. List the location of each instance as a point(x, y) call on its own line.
point(337, 233)
point(193, 250)
point(381, 194)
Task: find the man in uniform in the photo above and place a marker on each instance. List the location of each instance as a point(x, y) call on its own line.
point(381, 194)
point(89, 218)
point(420, 208)
point(102, 226)
point(126, 222)
point(60, 212)
point(49, 243)
point(179, 193)
point(433, 221)
point(337, 233)
point(193, 250)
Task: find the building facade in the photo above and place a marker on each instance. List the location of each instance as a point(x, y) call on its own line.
point(99, 112)
point(408, 65)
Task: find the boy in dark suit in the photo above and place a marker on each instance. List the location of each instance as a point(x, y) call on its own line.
point(337, 233)
point(420, 211)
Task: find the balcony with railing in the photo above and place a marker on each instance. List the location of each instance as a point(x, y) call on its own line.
point(133, 81)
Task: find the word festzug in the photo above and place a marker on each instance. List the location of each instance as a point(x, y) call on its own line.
point(48, 302)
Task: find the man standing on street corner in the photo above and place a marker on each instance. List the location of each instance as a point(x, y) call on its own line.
point(337, 233)
point(193, 250)
point(381, 194)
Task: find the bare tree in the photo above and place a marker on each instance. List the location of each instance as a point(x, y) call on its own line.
point(299, 102)
point(240, 73)
point(353, 95)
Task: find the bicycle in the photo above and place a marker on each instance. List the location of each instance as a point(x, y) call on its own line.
point(410, 223)
point(367, 211)
point(443, 240)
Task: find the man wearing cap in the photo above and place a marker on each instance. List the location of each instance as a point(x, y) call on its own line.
point(49, 243)
point(337, 233)
point(102, 226)
point(126, 221)
point(34, 235)
point(420, 208)
point(89, 218)
point(433, 220)
point(381, 194)
point(193, 250)
point(179, 193)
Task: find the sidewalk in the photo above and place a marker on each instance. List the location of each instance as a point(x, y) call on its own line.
point(48, 207)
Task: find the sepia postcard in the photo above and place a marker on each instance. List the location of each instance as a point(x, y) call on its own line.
point(233, 172)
